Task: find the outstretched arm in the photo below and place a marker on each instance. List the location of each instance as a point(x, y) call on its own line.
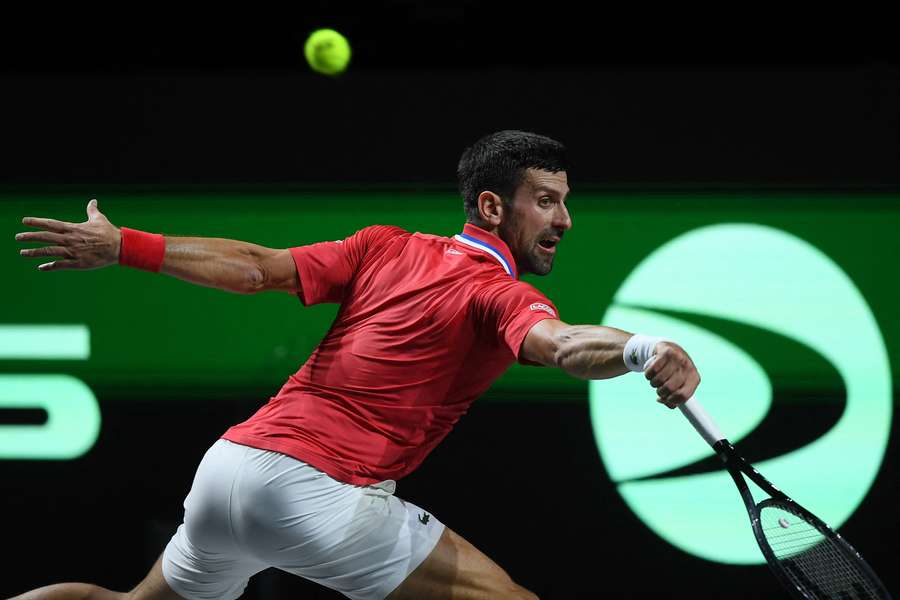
point(595, 352)
point(229, 265)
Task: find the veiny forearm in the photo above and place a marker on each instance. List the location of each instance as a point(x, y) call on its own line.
point(220, 263)
point(591, 351)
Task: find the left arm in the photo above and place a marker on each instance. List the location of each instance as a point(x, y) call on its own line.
point(596, 352)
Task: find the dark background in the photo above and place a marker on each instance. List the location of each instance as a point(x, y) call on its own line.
point(643, 101)
point(644, 98)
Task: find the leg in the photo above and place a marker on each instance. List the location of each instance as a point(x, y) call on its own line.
point(153, 587)
point(207, 516)
point(456, 569)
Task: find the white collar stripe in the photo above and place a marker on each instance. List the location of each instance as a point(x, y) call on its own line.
point(469, 241)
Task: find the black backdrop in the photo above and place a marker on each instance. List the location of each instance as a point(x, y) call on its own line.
point(830, 126)
point(186, 104)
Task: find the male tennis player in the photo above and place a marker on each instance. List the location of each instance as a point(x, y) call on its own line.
point(426, 324)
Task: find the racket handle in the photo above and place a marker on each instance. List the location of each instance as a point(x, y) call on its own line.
point(697, 415)
point(701, 421)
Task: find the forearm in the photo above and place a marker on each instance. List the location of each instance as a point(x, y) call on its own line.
point(591, 351)
point(220, 263)
point(596, 352)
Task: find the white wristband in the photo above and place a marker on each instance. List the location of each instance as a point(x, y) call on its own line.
point(638, 350)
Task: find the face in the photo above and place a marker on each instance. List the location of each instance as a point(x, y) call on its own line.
point(537, 221)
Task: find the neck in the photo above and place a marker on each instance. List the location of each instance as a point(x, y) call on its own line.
point(490, 236)
point(490, 229)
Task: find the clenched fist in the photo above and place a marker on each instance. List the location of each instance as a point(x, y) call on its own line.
point(89, 245)
point(672, 372)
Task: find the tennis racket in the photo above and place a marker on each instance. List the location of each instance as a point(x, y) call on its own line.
point(809, 558)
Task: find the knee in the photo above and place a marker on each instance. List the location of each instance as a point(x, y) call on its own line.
point(71, 591)
point(98, 593)
point(95, 592)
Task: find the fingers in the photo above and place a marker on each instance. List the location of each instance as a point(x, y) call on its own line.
point(665, 376)
point(47, 251)
point(92, 210)
point(47, 224)
point(59, 265)
point(41, 236)
point(674, 399)
point(56, 265)
point(673, 375)
point(660, 371)
point(682, 395)
point(671, 385)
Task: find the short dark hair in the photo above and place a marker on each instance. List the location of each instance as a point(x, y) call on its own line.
point(497, 163)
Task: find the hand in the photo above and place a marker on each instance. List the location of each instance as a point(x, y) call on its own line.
point(89, 245)
point(672, 372)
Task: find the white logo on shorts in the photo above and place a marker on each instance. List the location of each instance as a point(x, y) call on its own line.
point(543, 307)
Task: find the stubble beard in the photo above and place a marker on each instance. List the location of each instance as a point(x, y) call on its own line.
point(530, 260)
point(540, 264)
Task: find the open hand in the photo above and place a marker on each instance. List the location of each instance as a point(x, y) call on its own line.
point(672, 372)
point(89, 245)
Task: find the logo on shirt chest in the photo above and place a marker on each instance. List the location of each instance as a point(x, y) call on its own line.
point(452, 251)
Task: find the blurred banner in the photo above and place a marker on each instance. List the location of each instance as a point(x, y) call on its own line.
point(785, 299)
point(198, 338)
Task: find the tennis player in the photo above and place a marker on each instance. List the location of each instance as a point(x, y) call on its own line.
point(426, 324)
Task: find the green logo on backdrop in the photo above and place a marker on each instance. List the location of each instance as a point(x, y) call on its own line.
point(794, 370)
point(73, 416)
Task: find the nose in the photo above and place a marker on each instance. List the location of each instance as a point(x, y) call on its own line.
point(561, 217)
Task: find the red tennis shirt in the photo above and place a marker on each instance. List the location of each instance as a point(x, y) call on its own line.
point(426, 324)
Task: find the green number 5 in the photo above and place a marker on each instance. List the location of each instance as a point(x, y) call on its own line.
point(73, 415)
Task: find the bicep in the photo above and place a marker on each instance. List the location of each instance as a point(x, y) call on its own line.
point(276, 272)
point(542, 342)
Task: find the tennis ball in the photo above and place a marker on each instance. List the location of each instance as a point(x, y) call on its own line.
point(327, 51)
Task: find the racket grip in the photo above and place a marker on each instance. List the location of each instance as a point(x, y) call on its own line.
point(697, 415)
point(702, 422)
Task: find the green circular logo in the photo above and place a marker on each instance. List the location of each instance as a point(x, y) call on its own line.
point(794, 370)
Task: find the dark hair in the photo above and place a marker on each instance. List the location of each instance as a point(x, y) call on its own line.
point(497, 163)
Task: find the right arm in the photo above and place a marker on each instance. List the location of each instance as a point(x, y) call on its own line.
point(596, 352)
point(230, 265)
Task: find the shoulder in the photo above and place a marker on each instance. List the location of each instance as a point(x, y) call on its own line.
point(502, 283)
point(506, 292)
point(374, 237)
point(430, 237)
point(382, 232)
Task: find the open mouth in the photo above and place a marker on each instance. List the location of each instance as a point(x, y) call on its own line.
point(548, 243)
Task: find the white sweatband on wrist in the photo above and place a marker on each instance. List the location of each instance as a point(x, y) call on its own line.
point(638, 350)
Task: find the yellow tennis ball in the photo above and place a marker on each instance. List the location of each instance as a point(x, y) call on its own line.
point(327, 51)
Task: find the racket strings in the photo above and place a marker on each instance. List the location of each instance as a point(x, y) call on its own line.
point(815, 563)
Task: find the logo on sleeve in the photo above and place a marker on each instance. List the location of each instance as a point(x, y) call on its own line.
point(543, 307)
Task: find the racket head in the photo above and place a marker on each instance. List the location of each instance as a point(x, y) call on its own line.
point(809, 558)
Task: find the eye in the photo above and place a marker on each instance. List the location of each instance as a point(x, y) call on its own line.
point(545, 202)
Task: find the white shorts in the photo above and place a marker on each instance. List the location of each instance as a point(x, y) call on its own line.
point(251, 509)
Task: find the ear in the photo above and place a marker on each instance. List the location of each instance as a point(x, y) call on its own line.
point(490, 208)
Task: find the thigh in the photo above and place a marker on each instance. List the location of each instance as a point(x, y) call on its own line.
point(362, 541)
point(456, 569)
point(153, 587)
point(203, 559)
point(196, 572)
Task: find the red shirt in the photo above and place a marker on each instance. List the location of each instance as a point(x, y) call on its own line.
point(426, 324)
